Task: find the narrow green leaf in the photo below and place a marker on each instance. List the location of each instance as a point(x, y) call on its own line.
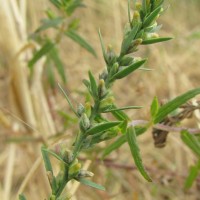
point(118, 114)
point(48, 167)
point(50, 23)
point(127, 70)
point(128, 39)
point(131, 138)
point(91, 184)
point(50, 73)
point(159, 3)
point(22, 197)
point(191, 141)
point(72, 6)
point(151, 17)
point(154, 107)
point(56, 3)
point(102, 127)
point(193, 174)
point(68, 100)
point(174, 104)
point(144, 6)
point(93, 85)
point(46, 159)
point(54, 55)
point(123, 126)
point(122, 108)
point(82, 42)
point(41, 52)
point(129, 12)
point(102, 45)
point(156, 40)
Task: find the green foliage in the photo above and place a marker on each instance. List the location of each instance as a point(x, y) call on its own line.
point(22, 197)
point(192, 142)
point(62, 26)
point(94, 125)
point(155, 40)
point(174, 104)
point(127, 70)
point(154, 107)
point(193, 174)
point(91, 184)
point(131, 139)
point(79, 40)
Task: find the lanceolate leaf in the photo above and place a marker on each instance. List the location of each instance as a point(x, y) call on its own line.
point(191, 141)
point(131, 138)
point(119, 114)
point(68, 100)
point(43, 51)
point(127, 40)
point(151, 17)
point(50, 23)
point(54, 56)
point(46, 159)
point(174, 104)
point(127, 70)
point(53, 154)
point(56, 3)
point(93, 85)
point(82, 42)
point(193, 174)
point(91, 184)
point(155, 40)
point(154, 107)
point(102, 46)
point(102, 127)
point(122, 108)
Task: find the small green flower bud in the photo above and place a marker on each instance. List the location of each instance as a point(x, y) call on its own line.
point(74, 169)
point(125, 61)
point(84, 122)
point(68, 156)
point(84, 173)
point(154, 35)
point(134, 45)
point(115, 67)
point(108, 135)
point(138, 6)
point(106, 102)
point(137, 59)
point(87, 142)
point(53, 197)
point(80, 109)
point(136, 18)
point(104, 75)
point(110, 56)
point(88, 109)
point(101, 88)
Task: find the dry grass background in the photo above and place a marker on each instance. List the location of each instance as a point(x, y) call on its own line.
point(176, 70)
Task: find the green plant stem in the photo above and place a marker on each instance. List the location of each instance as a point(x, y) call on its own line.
point(77, 146)
point(65, 180)
point(95, 110)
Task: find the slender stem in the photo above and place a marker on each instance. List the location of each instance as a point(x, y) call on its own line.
point(65, 180)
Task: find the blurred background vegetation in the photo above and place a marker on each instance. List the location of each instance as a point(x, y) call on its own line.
point(30, 111)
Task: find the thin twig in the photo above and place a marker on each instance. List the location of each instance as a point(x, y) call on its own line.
point(165, 127)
